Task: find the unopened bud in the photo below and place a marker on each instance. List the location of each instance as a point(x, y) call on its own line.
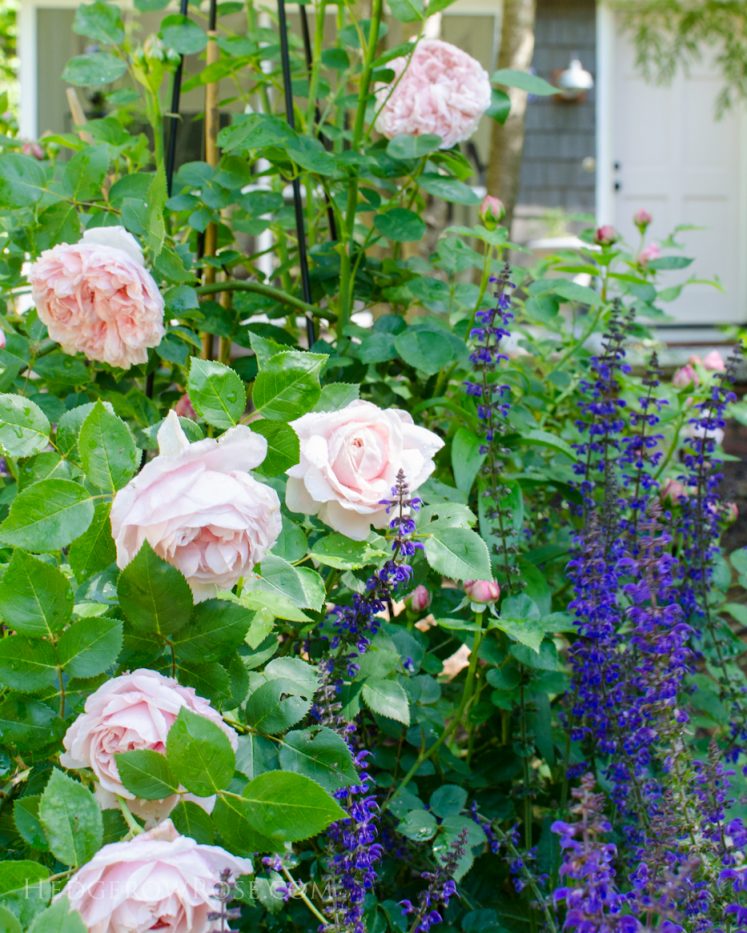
point(642, 219)
point(606, 235)
point(482, 591)
point(492, 212)
point(419, 599)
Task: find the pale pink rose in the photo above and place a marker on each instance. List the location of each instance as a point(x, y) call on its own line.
point(349, 463)
point(185, 409)
point(442, 91)
point(685, 376)
point(714, 362)
point(673, 490)
point(606, 235)
point(482, 591)
point(132, 712)
point(642, 219)
point(492, 211)
point(199, 509)
point(419, 599)
point(652, 251)
point(96, 297)
point(159, 880)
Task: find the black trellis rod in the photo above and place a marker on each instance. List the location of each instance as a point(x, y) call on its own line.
point(176, 95)
point(303, 259)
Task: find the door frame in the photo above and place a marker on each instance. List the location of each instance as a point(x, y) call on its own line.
point(605, 203)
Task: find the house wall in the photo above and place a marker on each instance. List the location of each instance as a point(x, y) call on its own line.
point(560, 136)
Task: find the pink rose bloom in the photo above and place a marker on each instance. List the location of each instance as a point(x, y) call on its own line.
point(482, 591)
point(685, 376)
point(349, 463)
point(96, 297)
point(642, 219)
point(714, 362)
point(159, 880)
point(492, 211)
point(443, 91)
point(652, 251)
point(606, 235)
point(199, 509)
point(419, 599)
point(134, 711)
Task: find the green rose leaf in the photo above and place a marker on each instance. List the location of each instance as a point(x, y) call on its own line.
point(93, 70)
point(99, 21)
point(466, 458)
point(107, 450)
point(191, 820)
point(217, 628)
point(428, 347)
point(22, 182)
point(448, 189)
point(320, 754)
point(146, 774)
point(387, 698)
point(509, 77)
point(35, 597)
point(217, 392)
point(59, 918)
point(26, 818)
point(413, 147)
point(282, 447)
point(153, 595)
point(342, 553)
point(71, 819)
point(199, 754)
point(182, 34)
point(231, 819)
point(458, 553)
point(407, 11)
point(47, 516)
point(24, 428)
point(94, 550)
point(288, 385)
point(90, 647)
point(288, 807)
point(27, 664)
point(28, 724)
point(400, 225)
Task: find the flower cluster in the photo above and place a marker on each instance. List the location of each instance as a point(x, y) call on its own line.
point(441, 887)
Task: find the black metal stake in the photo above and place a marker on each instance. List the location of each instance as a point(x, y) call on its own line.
point(176, 95)
point(303, 259)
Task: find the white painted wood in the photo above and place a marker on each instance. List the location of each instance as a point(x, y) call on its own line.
point(683, 165)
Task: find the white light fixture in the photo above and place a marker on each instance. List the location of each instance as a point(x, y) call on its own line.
point(575, 80)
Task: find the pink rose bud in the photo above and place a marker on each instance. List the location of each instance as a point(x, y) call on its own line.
point(606, 235)
point(482, 591)
point(714, 362)
point(642, 219)
point(673, 490)
point(492, 211)
point(652, 251)
point(732, 512)
point(685, 376)
point(419, 599)
point(33, 149)
point(184, 408)
point(2, 340)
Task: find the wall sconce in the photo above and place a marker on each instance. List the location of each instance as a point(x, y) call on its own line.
point(574, 82)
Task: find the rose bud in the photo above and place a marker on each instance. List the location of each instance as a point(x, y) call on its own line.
point(685, 376)
point(731, 512)
point(492, 212)
point(482, 591)
point(714, 362)
point(652, 251)
point(606, 235)
point(419, 599)
point(642, 219)
point(673, 490)
point(2, 340)
point(185, 409)
point(33, 149)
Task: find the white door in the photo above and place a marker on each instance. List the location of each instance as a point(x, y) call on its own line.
point(667, 153)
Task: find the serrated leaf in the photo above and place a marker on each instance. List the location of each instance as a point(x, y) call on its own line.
point(288, 807)
point(59, 918)
point(288, 385)
point(217, 392)
point(342, 553)
point(47, 516)
point(24, 889)
point(27, 665)
point(35, 597)
point(24, 428)
point(458, 553)
point(153, 595)
point(320, 754)
point(199, 754)
point(90, 647)
point(146, 774)
point(94, 550)
point(216, 629)
point(283, 448)
point(71, 819)
point(107, 450)
point(387, 698)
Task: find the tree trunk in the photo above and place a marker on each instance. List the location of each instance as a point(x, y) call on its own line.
point(507, 141)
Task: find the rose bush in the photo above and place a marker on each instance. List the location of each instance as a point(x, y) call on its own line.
point(386, 576)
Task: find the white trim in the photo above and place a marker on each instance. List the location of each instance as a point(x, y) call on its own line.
point(27, 71)
point(605, 95)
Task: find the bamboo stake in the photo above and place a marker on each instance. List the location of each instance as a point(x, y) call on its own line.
point(212, 125)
